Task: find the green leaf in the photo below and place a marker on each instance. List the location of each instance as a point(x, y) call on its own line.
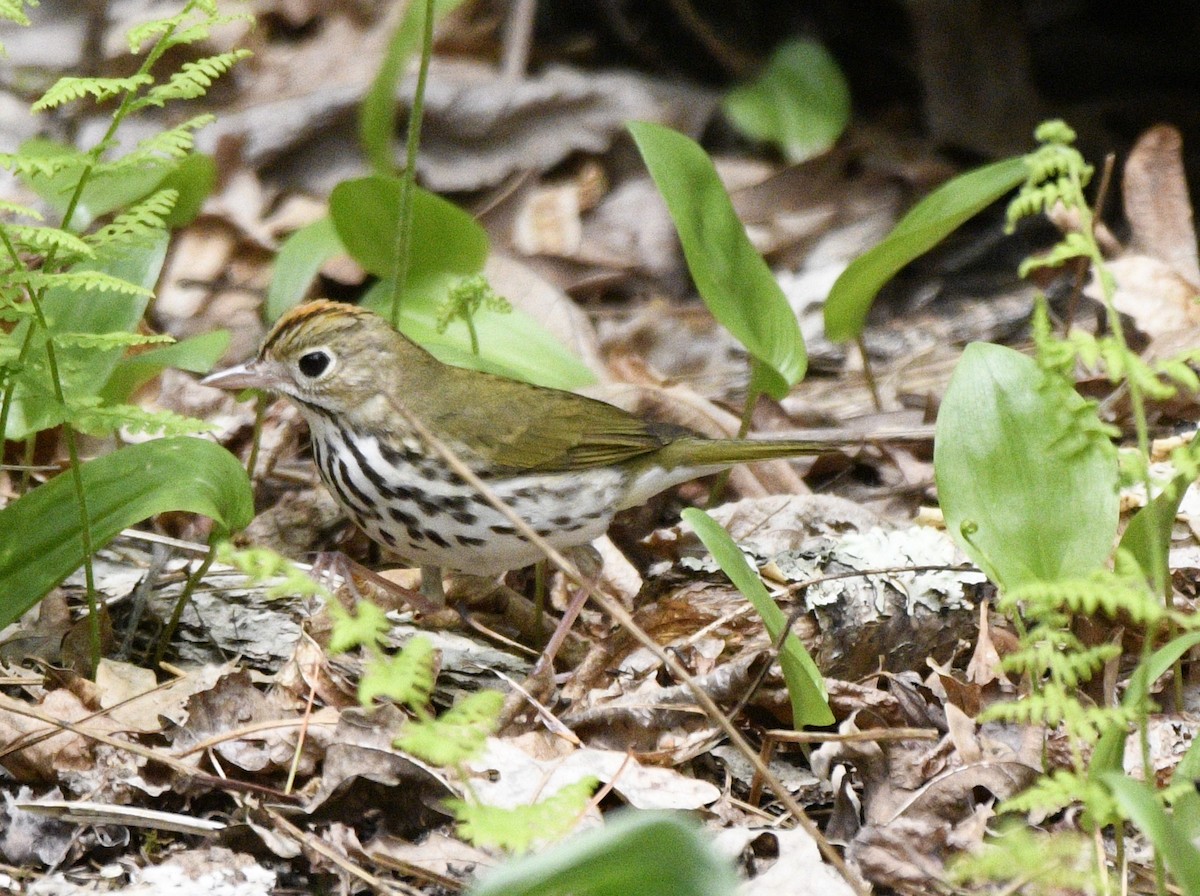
point(1028, 490)
point(197, 354)
point(40, 542)
point(457, 735)
point(407, 677)
point(519, 828)
point(83, 371)
point(927, 223)
point(1147, 538)
point(299, 260)
point(1187, 805)
point(447, 242)
point(730, 275)
point(800, 102)
point(1138, 801)
point(1109, 754)
point(377, 116)
point(541, 358)
point(194, 178)
point(806, 685)
point(634, 854)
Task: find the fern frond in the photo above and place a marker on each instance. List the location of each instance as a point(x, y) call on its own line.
point(457, 735)
point(140, 220)
point(406, 678)
point(68, 89)
point(262, 566)
point(16, 208)
point(13, 308)
point(39, 166)
point(1018, 859)
point(519, 828)
point(365, 626)
point(40, 240)
point(1102, 590)
point(201, 31)
point(1073, 245)
point(174, 143)
point(14, 11)
point(109, 340)
point(140, 34)
point(79, 281)
point(1060, 789)
point(192, 80)
point(99, 420)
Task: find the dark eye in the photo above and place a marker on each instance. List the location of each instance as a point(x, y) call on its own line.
point(313, 364)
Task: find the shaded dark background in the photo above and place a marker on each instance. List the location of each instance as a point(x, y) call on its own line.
point(971, 76)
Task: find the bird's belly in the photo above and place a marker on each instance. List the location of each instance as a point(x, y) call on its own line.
point(418, 508)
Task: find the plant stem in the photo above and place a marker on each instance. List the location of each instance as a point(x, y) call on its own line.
point(403, 249)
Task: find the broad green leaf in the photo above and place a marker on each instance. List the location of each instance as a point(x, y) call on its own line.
point(1139, 802)
point(634, 854)
point(805, 684)
point(800, 102)
point(927, 223)
point(194, 177)
point(299, 260)
point(446, 243)
point(84, 371)
point(1027, 487)
point(197, 355)
point(377, 115)
point(40, 542)
point(731, 277)
point(540, 358)
point(1148, 536)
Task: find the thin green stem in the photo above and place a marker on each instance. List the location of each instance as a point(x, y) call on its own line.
point(260, 413)
point(184, 598)
point(474, 336)
point(402, 253)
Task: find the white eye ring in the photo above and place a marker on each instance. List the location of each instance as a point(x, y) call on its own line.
point(315, 364)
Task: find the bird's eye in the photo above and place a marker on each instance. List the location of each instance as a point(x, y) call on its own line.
point(313, 364)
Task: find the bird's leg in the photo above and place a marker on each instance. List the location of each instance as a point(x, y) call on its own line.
point(337, 565)
point(431, 584)
point(587, 560)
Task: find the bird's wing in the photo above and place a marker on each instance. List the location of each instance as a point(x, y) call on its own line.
point(523, 428)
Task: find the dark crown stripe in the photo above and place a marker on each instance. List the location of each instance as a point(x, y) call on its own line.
point(298, 318)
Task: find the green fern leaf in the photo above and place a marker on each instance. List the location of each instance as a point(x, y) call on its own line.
point(172, 144)
point(138, 221)
point(68, 89)
point(101, 420)
point(16, 208)
point(262, 566)
point(114, 339)
point(79, 281)
point(519, 828)
point(458, 734)
point(192, 80)
point(365, 626)
point(14, 11)
point(27, 166)
point(40, 240)
point(407, 678)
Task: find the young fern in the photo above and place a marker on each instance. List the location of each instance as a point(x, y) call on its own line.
point(47, 271)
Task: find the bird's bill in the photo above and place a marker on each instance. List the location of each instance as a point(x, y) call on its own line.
point(250, 375)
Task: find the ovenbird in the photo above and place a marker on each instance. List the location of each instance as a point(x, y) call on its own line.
point(563, 462)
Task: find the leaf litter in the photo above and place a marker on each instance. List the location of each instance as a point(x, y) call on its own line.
point(257, 727)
